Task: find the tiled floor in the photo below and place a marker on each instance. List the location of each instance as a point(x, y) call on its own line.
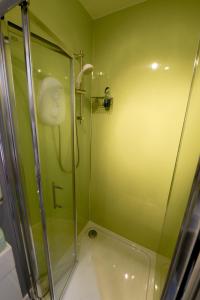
point(111, 268)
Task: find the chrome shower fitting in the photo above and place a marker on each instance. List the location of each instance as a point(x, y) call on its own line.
point(84, 70)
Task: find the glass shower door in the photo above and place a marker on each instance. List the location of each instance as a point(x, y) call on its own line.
point(52, 93)
point(52, 82)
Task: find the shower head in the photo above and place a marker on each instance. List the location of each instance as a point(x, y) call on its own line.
point(86, 70)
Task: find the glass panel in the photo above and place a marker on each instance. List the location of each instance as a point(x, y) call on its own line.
point(26, 158)
point(181, 186)
point(52, 89)
point(51, 71)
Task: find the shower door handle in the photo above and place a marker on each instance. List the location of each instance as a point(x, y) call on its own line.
point(54, 188)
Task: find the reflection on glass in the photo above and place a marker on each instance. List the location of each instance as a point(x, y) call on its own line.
point(51, 71)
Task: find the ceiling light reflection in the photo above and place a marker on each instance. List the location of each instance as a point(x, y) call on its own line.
point(126, 275)
point(154, 66)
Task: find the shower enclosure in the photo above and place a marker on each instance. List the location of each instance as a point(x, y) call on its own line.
point(125, 190)
point(37, 102)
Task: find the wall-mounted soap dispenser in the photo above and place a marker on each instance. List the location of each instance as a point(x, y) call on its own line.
point(108, 98)
point(105, 102)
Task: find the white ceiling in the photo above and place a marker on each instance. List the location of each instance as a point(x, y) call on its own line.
point(101, 8)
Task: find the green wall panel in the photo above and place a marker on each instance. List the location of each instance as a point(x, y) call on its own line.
point(134, 146)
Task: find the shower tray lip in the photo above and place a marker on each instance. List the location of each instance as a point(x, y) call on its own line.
point(150, 254)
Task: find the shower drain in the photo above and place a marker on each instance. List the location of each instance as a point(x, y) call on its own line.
point(92, 234)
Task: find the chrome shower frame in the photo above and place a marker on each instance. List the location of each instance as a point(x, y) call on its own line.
point(9, 152)
point(6, 81)
point(32, 113)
